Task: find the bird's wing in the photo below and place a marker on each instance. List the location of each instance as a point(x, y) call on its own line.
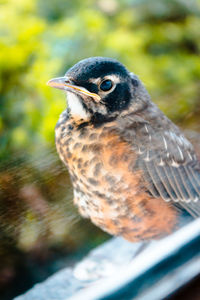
point(169, 165)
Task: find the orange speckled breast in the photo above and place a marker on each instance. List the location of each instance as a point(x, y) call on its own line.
point(108, 186)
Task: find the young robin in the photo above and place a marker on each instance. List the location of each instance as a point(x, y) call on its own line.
point(132, 169)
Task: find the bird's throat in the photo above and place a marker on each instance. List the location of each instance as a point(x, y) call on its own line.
point(76, 107)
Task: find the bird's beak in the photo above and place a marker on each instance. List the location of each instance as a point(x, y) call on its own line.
point(64, 83)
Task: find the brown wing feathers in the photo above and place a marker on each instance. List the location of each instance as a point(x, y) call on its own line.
point(177, 176)
point(170, 167)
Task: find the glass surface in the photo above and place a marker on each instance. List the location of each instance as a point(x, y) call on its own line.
point(40, 229)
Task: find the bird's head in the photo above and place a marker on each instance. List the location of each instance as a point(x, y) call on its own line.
point(101, 89)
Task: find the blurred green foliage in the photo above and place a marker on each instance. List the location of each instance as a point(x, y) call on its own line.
point(40, 39)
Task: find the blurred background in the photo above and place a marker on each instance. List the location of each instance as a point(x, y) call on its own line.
point(40, 229)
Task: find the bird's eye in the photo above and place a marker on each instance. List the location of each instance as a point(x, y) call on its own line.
point(106, 85)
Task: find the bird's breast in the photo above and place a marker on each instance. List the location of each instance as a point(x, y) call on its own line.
point(98, 163)
point(108, 186)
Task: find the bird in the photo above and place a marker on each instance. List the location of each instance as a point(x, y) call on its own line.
point(133, 171)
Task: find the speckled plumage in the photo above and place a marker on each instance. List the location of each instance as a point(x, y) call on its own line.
point(130, 166)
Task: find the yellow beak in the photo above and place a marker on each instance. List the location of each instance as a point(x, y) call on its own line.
point(64, 83)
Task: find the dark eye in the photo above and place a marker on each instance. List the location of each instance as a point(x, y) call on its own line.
point(106, 85)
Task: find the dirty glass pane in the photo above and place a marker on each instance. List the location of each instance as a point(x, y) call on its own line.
point(40, 229)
